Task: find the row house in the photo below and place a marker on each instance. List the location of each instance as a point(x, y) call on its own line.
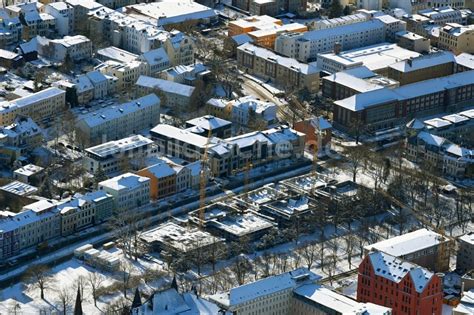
point(129, 191)
point(286, 72)
point(41, 106)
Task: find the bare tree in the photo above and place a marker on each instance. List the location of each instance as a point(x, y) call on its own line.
point(349, 240)
point(241, 268)
point(96, 281)
point(39, 277)
point(217, 251)
point(80, 284)
point(309, 253)
point(65, 297)
point(355, 157)
point(125, 270)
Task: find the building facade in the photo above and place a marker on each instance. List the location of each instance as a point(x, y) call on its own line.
point(129, 191)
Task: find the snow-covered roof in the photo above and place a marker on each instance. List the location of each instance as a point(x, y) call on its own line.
point(171, 11)
point(127, 181)
point(68, 41)
point(96, 77)
point(376, 97)
point(161, 170)
point(374, 57)
point(465, 60)
point(424, 61)
point(395, 269)
point(28, 170)
point(242, 39)
point(113, 112)
point(431, 139)
point(209, 122)
point(468, 238)
point(408, 243)
point(352, 82)
point(180, 238)
point(165, 86)
point(179, 134)
point(456, 118)
point(320, 123)
point(415, 124)
point(19, 188)
point(124, 145)
point(115, 53)
point(342, 30)
point(437, 123)
point(242, 224)
point(269, 55)
point(337, 302)
point(31, 99)
point(156, 56)
point(264, 287)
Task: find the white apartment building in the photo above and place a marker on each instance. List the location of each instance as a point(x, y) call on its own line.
point(40, 106)
point(81, 9)
point(441, 16)
point(77, 47)
point(64, 15)
point(121, 120)
point(305, 47)
point(156, 60)
point(177, 94)
point(126, 73)
point(109, 156)
point(128, 190)
point(37, 223)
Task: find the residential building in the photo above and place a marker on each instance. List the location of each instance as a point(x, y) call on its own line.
point(457, 38)
point(376, 58)
point(265, 296)
point(81, 9)
point(63, 12)
point(263, 30)
point(412, 41)
point(176, 95)
point(116, 54)
point(465, 255)
point(186, 74)
point(245, 111)
point(318, 133)
point(422, 68)
point(387, 108)
point(346, 83)
point(102, 202)
point(119, 155)
point(76, 214)
point(162, 180)
point(313, 298)
point(41, 106)
point(172, 239)
point(464, 62)
point(171, 12)
point(208, 125)
point(443, 15)
point(156, 60)
point(116, 4)
point(10, 60)
point(21, 137)
point(77, 48)
point(285, 72)
point(448, 3)
point(90, 86)
point(305, 47)
point(126, 74)
point(119, 121)
point(34, 23)
point(404, 287)
point(232, 154)
point(423, 247)
point(180, 48)
point(11, 30)
point(343, 20)
point(440, 154)
point(129, 191)
point(29, 173)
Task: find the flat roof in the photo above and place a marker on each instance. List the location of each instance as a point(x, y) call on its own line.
point(28, 170)
point(408, 243)
point(119, 146)
point(180, 134)
point(242, 224)
point(125, 181)
point(117, 54)
point(19, 188)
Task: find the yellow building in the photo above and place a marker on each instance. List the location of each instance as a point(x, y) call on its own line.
point(457, 38)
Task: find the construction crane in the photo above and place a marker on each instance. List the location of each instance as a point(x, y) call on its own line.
point(203, 180)
point(444, 247)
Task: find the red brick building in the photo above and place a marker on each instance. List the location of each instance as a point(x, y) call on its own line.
point(405, 287)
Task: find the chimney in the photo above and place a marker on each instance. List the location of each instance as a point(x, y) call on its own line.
point(337, 48)
point(410, 62)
